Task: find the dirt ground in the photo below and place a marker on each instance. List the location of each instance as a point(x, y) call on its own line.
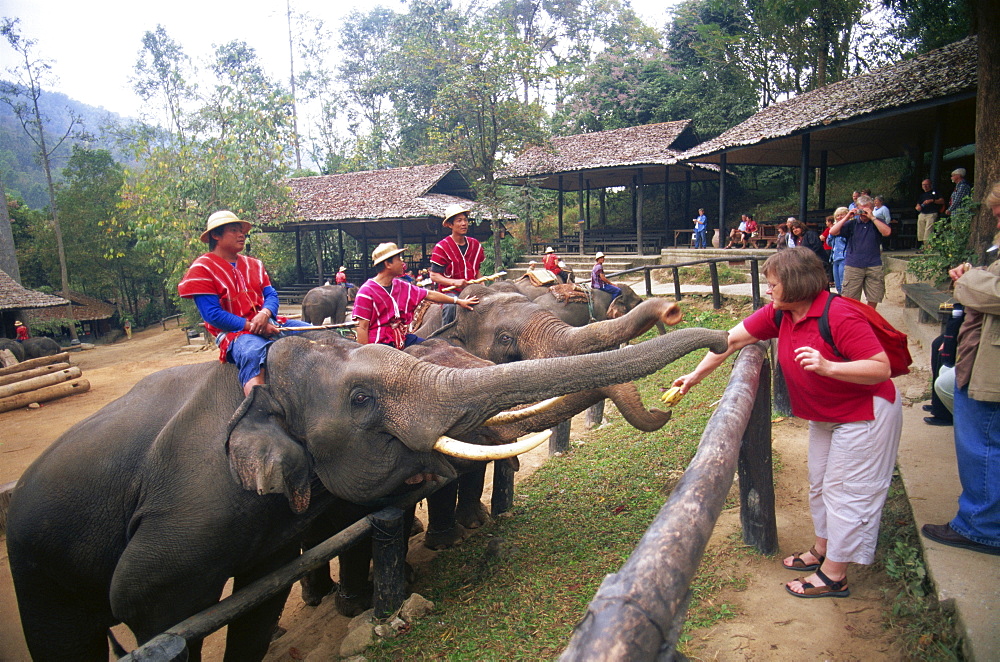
point(771, 625)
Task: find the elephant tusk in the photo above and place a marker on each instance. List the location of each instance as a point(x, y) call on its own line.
point(467, 451)
point(516, 415)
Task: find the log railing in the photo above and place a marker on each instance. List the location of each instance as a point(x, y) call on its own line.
point(639, 611)
point(713, 268)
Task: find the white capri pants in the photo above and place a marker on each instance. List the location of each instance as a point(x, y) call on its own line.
point(850, 467)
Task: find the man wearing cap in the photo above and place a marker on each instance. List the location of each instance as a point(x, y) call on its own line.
point(234, 296)
point(455, 259)
point(21, 331)
point(385, 304)
point(551, 263)
point(598, 281)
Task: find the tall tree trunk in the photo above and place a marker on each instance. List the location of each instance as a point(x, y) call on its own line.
point(987, 129)
point(8, 255)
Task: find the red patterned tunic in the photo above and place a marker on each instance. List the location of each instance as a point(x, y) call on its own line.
point(240, 288)
point(447, 254)
point(387, 315)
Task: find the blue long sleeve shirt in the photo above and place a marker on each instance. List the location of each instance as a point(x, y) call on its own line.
point(212, 312)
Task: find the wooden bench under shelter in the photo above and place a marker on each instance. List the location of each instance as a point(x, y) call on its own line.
point(767, 236)
point(934, 305)
point(687, 233)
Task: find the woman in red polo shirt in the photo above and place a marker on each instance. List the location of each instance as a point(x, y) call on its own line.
point(854, 411)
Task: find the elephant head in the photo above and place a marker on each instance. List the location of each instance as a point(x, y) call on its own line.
point(366, 418)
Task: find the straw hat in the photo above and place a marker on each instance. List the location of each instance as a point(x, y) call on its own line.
point(17, 323)
point(342, 269)
point(220, 218)
point(549, 249)
point(598, 255)
point(384, 252)
point(454, 210)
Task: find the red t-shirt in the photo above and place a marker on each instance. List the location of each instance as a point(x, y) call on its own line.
point(374, 304)
point(447, 254)
point(22, 332)
point(551, 262)
point(813, 397)
point(240, 288)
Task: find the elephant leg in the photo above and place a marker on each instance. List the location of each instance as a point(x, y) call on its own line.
point(443, 530)
point(60, 626)
point(355, 592)
point(471, 512)
point(249, 636)
point(317, 583)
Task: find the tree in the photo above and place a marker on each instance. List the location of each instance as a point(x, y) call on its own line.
point(22, 96)
point(8, 256)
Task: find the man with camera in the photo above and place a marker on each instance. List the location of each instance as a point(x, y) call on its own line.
point(863, 262)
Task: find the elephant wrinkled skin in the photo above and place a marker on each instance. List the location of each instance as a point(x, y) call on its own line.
point(140, 513)
point(325, 301)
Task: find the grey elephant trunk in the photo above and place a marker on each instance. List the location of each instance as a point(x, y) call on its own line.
point(600, 336)
point(486, 391)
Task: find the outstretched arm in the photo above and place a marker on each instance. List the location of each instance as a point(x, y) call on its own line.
point(739, 338)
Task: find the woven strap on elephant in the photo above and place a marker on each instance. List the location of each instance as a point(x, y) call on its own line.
point(570, 293)
point(418, 314)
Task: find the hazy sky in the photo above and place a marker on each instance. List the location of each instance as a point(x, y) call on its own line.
point(93, 46)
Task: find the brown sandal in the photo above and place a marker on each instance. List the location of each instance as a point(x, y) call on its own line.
point(828, 589)
point(798, 564)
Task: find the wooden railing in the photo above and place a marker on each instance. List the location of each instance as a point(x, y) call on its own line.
point(713, 268)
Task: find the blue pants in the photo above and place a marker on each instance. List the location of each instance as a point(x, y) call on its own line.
point(977, 449)
point(249, 351)
point(838, 275)
point(611, 289)
point(699, 239)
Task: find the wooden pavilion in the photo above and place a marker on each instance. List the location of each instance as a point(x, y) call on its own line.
point(17, 302)
point(632, 157)
point(93, 314)
point(927, 103)
point(401, 205)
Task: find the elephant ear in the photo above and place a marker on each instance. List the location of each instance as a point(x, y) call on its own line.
point(262, 456)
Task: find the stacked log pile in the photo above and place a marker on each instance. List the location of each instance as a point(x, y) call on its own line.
point(39, 380)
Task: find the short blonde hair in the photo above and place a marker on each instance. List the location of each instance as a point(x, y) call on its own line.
point(840, 212)
point(993, 197)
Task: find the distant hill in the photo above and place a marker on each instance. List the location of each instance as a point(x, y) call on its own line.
point(22, 172)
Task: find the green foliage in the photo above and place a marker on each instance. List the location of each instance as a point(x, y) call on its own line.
point(930, 24)
point(948, 244)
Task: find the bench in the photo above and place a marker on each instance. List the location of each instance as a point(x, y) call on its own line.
point(681, 233)
point(768, 234)
point(934, 305)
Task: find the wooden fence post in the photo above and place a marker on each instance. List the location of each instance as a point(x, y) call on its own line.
point(559, 441)
point(595, 415)
point(503, 487)
point(760, 527)
point(388, 561)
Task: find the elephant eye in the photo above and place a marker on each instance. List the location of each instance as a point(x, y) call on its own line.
point(506, 339)
point(360, 398)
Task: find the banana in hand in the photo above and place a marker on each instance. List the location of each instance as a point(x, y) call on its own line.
point(672, 396)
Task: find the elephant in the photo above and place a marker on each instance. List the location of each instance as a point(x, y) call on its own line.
point(325, 301)
point(140, 513)
point(37, 347)
point(15, 348)
point(579, 312)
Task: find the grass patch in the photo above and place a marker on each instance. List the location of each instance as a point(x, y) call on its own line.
point(926, 631)
point(701, 275)
point(516, 591)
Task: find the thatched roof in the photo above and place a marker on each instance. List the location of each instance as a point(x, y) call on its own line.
point(865, 118)
point(13, 296)
point(84, 308)
point(380, 204)
point(607, 158)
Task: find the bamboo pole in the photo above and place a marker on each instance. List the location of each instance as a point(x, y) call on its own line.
point(35, 363)
point(35, 372)
point(35, 383)
point(44, 394)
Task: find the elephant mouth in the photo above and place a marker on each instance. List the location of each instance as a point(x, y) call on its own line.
point(467, 451)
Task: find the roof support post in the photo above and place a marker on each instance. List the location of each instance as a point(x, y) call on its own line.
point(687, 192)
point(319, 255)
point(804, 178)
point(399, 234)
point(298, 255)
point(588, 205)
point(936, 150)
point(603, 199)
point(560, 207)
point(666, 200)
point(722, 198)
point(638, 210)
point(340, 244)
point(821, 194)
point(580, 197)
